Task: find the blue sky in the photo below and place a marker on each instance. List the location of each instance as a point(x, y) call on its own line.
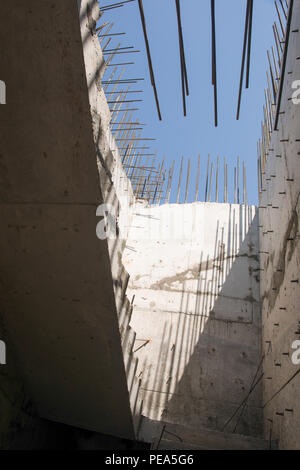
point(195, 134)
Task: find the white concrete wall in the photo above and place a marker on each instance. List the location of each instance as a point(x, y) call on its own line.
point(280, 262)
point(194, 280)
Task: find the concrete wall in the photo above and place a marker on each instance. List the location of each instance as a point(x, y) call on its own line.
point(57, 296)
point(280, 261)
point(194, 282)
point(66, 313)
point(115, 186)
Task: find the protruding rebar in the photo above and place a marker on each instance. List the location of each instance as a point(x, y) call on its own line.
point(243, 58)
point(179, 182)
point(187, 182)
point(142, 15)
point(197, 180)
point(214, 61)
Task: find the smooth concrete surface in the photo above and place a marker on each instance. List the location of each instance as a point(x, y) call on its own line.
point(280, 261)
point(57, 299)
point(194, 284)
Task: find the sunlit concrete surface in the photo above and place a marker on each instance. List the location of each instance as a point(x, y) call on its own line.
point(280, 261)
point(194, 279)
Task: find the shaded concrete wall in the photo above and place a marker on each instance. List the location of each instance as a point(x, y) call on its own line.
point(57, 297)
point(116, 188)
point(194, 281)
point(280, 261)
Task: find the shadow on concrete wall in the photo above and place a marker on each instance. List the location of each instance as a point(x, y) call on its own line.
point(111, 192)
point(210, 358)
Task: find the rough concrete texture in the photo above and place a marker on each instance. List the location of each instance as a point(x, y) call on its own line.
point(194, 279)
point(280, 261)
point(170, 436)
point(115, 186)
point(57, 297)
